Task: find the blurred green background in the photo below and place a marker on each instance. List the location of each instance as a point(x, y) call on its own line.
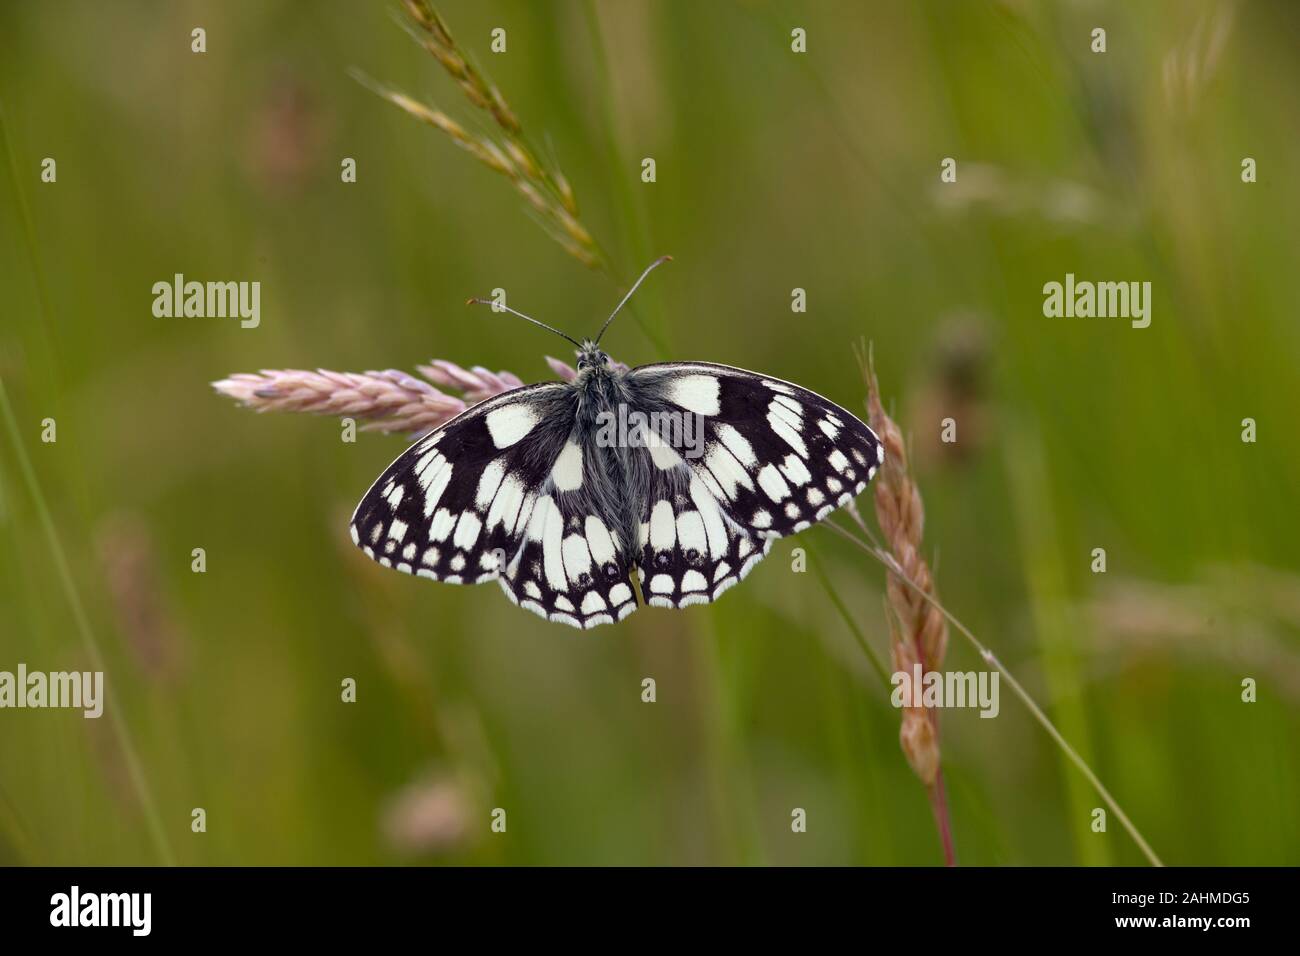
point(775, 170)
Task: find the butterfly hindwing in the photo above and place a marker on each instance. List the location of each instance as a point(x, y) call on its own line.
point(569, 567)
point(691, 551)
point(776, 456)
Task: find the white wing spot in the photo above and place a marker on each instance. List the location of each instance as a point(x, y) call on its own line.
point(577, 559)
point(696, 393)
point(714, 528)
point(489, 482)
point(505, 503)
point(552, 543)
point(567, 471)
point(796, 470)
point(434, 478)
point(467, 529)
point(661, 453)
point(737, 444)
point(789, 404)
point(690, 532)
point(599, 541)
point(510, 422)
point(770, 480)
point(441, 525)
point(662, 527)
point(726, 470)
point(661, 584)
point(781, 425)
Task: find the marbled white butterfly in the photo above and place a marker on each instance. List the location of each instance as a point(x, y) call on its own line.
point(683, 471)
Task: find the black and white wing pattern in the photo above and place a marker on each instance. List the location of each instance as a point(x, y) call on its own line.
point(496, 494)
point(530, 490)
point(741, 459)
point(691, 551)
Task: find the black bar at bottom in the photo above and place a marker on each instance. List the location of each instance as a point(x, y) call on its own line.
point(440, 906)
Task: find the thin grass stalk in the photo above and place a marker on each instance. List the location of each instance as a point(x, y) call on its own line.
point(140, 783)
point(135, 770)
point(922, 591)
point(890, 564)
point(918, 633)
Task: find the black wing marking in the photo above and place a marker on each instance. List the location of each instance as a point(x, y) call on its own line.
point(489, 496)
point(776, 456)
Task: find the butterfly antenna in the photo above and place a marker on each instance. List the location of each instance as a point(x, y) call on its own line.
point(502, 307)
point(648, 269)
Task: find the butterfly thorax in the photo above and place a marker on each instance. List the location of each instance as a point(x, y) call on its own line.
point(614, 473)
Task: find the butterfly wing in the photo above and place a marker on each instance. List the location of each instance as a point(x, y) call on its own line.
point(489, 496)
point(775, 456)
point(690, 550)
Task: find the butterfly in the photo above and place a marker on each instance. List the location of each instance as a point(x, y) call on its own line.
point(683, 473)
